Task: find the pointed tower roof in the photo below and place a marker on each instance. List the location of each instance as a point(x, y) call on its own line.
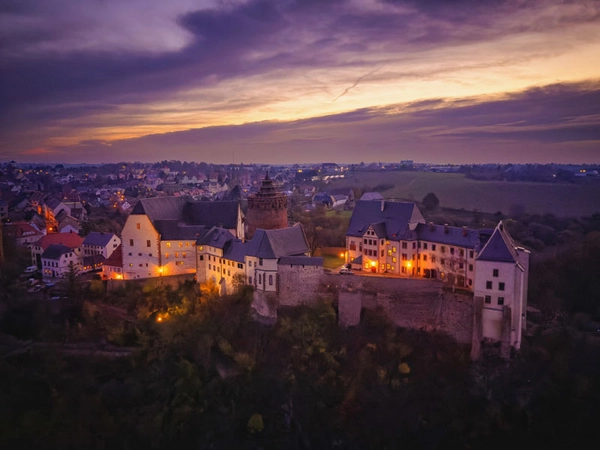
point(500, 247)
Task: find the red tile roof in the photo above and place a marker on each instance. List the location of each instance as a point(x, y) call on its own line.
point(116, 258)
point(71, 240)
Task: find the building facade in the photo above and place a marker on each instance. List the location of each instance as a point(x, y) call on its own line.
point(160, 235)
point(394, 239)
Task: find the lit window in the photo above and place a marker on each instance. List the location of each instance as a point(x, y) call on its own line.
point(137, 225)
point(168, 245)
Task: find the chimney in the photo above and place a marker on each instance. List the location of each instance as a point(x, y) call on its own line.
point(382, 205)
point(431, 226)
point(446, 228)
point(464, 231)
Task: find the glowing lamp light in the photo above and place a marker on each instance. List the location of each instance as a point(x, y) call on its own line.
point(160, 270)
point(408, 264)
point(373, 263)
point(342, 255)
point(159, 319)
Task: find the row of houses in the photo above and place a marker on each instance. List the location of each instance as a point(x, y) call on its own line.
point(56, 254)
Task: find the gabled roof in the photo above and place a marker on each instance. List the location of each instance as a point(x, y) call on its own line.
point(500, 247)
point(55, 251)
point(175, 231)
point(161, 208)
point(234, 250)
point(212, 214)
point(71, 240)
point(449, 235)
point(116, 258)
point(301, 261)
point(396, 216)
point(273, 244)
point(53, 203)
point(21, 229)
point(216, 237)
point(98, 239)
point(379, 229)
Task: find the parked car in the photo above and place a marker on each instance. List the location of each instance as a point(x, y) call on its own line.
point(31, 269)
point(346, 271)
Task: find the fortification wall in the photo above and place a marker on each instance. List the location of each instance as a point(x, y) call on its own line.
point(416, 304)
point(173, 281)
point(299, 285)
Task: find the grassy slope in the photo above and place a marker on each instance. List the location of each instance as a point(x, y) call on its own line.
point(456, 191)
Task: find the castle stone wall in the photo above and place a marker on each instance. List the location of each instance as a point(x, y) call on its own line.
point(298, 285)
point(415, 304)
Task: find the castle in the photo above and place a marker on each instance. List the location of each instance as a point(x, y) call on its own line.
point(209, 240)
point(394, 239)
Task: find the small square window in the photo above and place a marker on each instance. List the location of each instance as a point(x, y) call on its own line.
point(488, 285)
point(495, 272)
point(501, 300)
point(137, 225)
point(500, 286)
point(488, 299)
point(433, 247)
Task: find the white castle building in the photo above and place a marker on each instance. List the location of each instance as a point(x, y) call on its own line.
point(393, 238)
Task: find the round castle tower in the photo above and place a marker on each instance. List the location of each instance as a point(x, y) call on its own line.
point(267, 209)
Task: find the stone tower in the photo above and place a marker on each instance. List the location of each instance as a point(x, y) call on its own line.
point(267, 209)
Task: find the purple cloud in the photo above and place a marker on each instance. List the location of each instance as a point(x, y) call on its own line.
point(68, 72)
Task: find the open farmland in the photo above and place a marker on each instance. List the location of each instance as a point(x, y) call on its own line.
point(456, 191)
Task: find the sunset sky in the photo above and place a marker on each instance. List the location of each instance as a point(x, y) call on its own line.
point(452, 81)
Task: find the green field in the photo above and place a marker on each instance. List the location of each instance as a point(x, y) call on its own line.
point(456, 191)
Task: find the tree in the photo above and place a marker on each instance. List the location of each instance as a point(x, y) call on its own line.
point(430, 201)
